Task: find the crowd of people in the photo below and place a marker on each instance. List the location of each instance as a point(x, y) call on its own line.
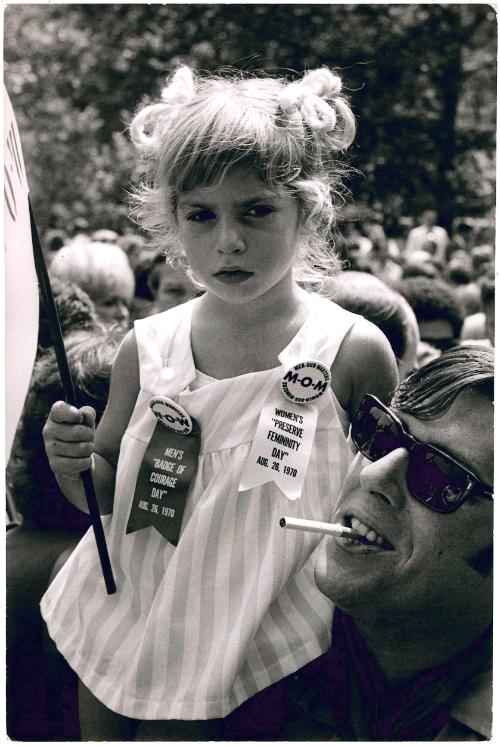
point(235, 629)
point(448, 279)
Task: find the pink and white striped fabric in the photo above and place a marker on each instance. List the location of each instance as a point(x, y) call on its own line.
point(195, 630)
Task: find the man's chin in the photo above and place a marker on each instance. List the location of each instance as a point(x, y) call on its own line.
point(345, 578)
point(339, 590)
point(324, 577)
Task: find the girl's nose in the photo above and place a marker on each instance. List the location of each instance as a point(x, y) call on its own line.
point(229, 238)
point(386, 477)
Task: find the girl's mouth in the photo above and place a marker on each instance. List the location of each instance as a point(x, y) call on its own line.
point(233, 276)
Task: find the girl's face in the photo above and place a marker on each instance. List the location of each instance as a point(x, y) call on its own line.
point(240, 236)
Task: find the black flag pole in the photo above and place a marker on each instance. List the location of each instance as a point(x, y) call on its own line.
point(69, 395)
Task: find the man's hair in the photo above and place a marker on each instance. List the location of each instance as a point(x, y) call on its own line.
point(431, 300)
point(425, 267)
point(458, 272)
point(429, 392)
point(383, 307)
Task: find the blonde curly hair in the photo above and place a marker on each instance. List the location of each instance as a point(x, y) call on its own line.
point(290, 134)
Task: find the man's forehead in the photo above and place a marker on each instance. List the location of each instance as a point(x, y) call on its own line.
point(465, 432)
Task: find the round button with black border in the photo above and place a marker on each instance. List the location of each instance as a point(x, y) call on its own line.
point(305, 382)
point(171, 414)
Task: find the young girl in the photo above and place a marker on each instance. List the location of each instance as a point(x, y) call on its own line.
point(241, 173)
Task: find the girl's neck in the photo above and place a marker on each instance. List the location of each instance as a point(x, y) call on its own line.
point(282, 303)
point(228, 340)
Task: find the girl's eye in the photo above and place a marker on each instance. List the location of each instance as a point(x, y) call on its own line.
point(260, 210)
point(200, 216)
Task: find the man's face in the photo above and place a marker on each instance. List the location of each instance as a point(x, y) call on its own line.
point(428, 562)
point(438, 333)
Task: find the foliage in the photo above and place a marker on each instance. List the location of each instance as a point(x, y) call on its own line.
point(421, 78)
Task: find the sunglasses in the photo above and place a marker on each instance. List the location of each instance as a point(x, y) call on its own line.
point(433, 477)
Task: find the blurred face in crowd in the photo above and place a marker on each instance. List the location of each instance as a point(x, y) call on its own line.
point(429, 218)
point(134, 247)
point(420, 560)
point(437, 333)
point(112, 302)
point(171, 287)
point(103, 271)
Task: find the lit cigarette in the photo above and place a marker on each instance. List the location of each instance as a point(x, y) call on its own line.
point(296, 523)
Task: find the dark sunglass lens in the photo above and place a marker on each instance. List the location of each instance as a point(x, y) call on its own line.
point(435, 481)
point(375, 433)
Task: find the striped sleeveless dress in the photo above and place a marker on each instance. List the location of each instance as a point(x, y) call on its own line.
point(195, 630)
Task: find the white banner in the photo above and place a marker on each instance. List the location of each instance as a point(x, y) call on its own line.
point(21, 286)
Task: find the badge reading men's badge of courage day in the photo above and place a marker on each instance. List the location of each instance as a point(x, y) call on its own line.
point(166, 471)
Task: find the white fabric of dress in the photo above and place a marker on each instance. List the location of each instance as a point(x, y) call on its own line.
point(195, 630)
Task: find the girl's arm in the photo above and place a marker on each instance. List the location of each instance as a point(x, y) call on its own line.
point(365, 363)
point(72, 445)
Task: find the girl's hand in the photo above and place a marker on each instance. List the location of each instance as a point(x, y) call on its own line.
point(69, 439)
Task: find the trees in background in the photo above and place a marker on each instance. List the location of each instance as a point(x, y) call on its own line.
point(421, 79)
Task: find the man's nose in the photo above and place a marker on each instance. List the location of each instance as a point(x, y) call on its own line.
point(386, 477)
point(229, 237)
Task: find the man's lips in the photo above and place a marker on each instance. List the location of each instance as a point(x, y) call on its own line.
point(367, 535)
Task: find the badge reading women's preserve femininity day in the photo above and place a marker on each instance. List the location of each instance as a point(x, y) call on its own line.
point(166, 471)
point(283, 441)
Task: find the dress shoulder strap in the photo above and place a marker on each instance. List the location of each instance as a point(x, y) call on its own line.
point(322, 333)
point(164, 348)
